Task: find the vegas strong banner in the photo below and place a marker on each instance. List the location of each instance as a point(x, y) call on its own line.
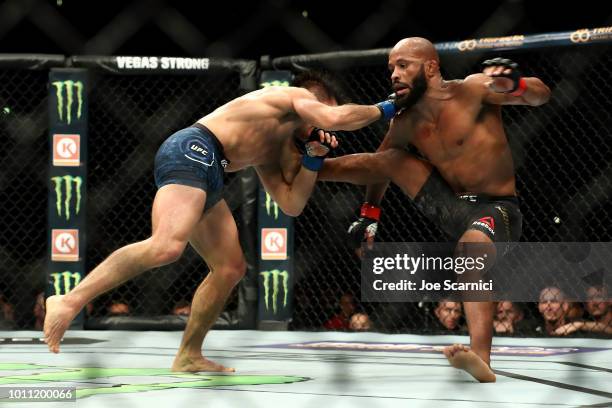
point(67, 178)
point(275, 238)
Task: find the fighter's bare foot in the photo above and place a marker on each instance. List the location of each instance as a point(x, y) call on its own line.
point(57, 320)
point(460, 356)
point(198, 363)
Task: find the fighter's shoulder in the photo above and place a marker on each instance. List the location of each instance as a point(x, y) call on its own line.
point(477, 78)
point(474, 85)
point(476, 82)
point(281, 97)
point(298, 92)
point(288, 94)
point(288, 90)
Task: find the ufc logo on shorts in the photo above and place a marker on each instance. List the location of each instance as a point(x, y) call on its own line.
point(66, 150)
point(65, 245)
point(274, 243)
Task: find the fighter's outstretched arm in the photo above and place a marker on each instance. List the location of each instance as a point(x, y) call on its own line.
point(359, 168)
point(501, 83)
point(396, 138)
point(343, 117)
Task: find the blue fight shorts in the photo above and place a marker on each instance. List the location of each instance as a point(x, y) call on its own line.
point(192, 157)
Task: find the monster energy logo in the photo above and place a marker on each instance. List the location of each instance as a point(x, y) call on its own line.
point(276, 274)
point(271, 206)
point(70, 87)
point(67, 278)
point(67, 183)
point(145, 379)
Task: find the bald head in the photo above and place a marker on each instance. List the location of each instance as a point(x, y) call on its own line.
point(417, 47)
point(414, 67)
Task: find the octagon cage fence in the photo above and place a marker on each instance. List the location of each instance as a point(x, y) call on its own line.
point(562, 153)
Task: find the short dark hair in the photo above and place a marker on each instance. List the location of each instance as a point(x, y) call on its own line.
point(323, 79)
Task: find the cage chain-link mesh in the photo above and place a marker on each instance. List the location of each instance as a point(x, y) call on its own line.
point(24, 153)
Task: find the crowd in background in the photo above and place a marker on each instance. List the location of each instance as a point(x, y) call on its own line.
point(553, 315)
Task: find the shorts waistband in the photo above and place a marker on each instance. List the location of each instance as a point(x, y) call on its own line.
point(224, 161)
point(483, 198)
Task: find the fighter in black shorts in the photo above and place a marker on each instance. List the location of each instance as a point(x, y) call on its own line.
point(498, 217)
point(466, 182)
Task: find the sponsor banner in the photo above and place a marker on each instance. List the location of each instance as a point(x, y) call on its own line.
point(524, 351)
point(519, 272)
point(128, 63)
point(587, 35)
point(275, 261)
point(67, 179)
point(519, 41)
point(275, 269)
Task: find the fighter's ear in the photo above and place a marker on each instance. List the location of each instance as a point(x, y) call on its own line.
point(432, 68)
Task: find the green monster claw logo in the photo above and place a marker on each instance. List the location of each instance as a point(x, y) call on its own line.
point(67, 279)
point(271, 205)
point(275, 287)
point(70, 87)
point(67, 181)
point(86, 374)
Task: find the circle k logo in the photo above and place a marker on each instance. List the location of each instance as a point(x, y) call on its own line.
point(65, 242)
point(274, 243)
point(66, 148)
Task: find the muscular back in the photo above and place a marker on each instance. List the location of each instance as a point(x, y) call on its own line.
point(463, 137)
point(254, 128)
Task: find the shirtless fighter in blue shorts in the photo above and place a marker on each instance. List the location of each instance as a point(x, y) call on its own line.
point(259, 130)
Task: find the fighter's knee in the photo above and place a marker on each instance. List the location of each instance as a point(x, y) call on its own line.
point(475, 236)
point(166, 251)
point(233, 272)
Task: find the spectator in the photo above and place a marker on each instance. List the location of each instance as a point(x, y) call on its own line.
point(117, 308)
point(39, 311)
point(182, 308)
point(341, 321)
point(599, 306)
point(7, 314)
point(507, 316)
point(575, 311)
point(449, 314)
point(554, 309)
point(360, 322)
point(600, 314)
